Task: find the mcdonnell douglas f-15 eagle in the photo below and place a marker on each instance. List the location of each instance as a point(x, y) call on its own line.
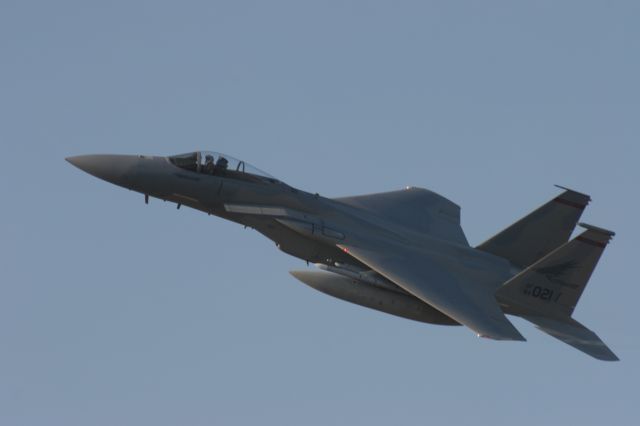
point(401, 252)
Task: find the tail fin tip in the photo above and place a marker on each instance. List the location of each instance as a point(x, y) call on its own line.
point(541, 231)
point(597, 229)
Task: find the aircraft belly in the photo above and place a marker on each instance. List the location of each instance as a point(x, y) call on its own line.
point(373, 297)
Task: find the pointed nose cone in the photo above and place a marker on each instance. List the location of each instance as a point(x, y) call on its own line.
point(112, 168)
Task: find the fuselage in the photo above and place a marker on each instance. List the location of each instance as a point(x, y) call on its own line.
point(302, 224)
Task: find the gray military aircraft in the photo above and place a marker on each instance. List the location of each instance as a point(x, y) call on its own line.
point(400, 252)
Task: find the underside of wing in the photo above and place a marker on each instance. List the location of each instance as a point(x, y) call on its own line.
point(431, 281)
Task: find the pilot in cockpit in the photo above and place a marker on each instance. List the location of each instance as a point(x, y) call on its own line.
point(209, 164)
point(222, 163)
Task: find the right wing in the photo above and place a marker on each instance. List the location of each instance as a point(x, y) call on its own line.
point(429, 280)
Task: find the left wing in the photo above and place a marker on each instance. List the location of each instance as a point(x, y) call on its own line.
point(419, 209)
point(432, 282)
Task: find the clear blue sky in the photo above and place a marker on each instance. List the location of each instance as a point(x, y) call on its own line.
point(117, 313)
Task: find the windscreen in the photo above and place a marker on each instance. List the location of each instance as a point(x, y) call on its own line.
point(215, 163)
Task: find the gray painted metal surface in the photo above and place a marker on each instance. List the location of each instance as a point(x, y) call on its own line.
point(401, 252)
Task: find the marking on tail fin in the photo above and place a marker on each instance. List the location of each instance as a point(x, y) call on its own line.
point(554, 273)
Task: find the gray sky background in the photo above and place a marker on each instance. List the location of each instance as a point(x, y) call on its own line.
point(117, 313)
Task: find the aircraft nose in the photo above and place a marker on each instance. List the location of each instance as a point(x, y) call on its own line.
point(112, 168)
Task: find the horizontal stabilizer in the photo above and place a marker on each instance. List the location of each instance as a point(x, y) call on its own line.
point(541, 231)
point(575, 334)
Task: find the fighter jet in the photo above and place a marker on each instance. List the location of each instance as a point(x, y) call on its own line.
point(400, 252)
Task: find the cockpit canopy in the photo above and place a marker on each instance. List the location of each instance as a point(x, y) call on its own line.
point(218, 164)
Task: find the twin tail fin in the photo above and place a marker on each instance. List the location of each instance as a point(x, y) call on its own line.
point(547, 292)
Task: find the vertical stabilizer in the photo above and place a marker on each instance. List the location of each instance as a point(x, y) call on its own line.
point(553, 285)
point(541, 231)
